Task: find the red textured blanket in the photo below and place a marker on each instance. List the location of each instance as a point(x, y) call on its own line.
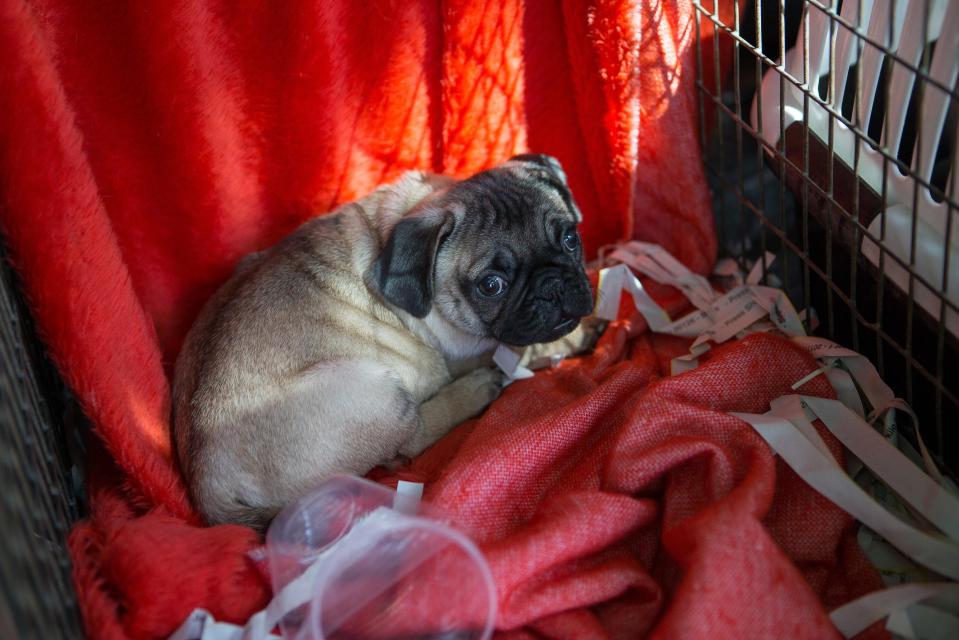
point(145, 147)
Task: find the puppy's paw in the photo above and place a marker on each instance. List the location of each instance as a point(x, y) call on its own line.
point(476, 390)
point(581, 340)
point(460, 400)
point(592, 328)
point(468, 395)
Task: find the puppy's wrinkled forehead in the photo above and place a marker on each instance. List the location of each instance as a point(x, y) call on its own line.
point(519, 194)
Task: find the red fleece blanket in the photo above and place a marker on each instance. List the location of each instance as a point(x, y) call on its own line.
point(145, 147)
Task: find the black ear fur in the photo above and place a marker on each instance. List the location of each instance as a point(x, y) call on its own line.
point(403, 272)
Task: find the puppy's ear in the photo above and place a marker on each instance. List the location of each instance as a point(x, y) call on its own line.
point(550, 170)
point(403, 272)
point(549, 163)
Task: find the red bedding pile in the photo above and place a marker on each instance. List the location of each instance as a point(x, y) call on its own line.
point(613, 501)
point(145, 147)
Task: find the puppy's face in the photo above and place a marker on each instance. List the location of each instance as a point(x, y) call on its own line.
point(497, 255)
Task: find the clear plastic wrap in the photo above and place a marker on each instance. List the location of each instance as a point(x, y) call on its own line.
point(355, 559)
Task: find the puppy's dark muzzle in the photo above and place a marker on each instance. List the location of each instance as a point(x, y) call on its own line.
point(571, 295)
point(557, 302)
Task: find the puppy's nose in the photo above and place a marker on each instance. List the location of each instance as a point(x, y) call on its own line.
point(577, 301)
point(549, 286)
point(578, 305)
point(553, 290)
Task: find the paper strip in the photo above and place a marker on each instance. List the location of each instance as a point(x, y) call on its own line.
point(809, 376)
point(845, 387)
point(407, 497)
point(891, 426)
point(716, 319)
point(756, 273)
point(609, 290)
point(898, 623)
point(890, 465)
point(688, 362)
point(508, 361)
point(655, 262)
point(690, 325)
point(823, 474)
point(831, 354)
point(201, 625)
point(853, 617)
point(642, 264)
point(792, 408)
point(655, 316)
point(612, 281)
point(781, 310)
point(877, 392)
point(731, 314)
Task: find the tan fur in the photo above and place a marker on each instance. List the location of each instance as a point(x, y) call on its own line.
point(295, 370)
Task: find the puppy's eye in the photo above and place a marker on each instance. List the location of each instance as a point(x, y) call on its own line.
point(492, 286)
point(571, 240)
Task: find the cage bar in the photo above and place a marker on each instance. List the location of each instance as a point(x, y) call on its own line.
point(850, 119)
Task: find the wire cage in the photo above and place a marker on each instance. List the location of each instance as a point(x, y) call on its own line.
point(41, 496)
point(829, 144)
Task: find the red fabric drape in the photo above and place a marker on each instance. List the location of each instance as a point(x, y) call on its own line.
point(145, 147)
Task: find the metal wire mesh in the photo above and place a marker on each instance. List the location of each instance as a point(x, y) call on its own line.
point(40, 497)
point(810, 143)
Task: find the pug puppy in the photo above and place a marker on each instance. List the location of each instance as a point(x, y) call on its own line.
point(357, 338)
